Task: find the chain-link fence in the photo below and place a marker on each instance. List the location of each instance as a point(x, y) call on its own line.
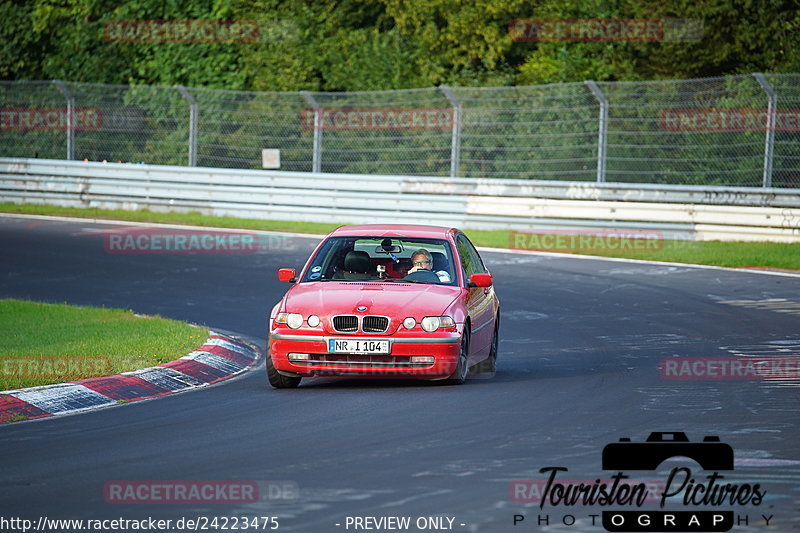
point(734, 131)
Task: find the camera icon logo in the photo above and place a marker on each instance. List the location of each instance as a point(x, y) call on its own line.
point(711, 454)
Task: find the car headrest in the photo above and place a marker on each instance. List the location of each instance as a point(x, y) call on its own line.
point(439, 261)
point(357, 261)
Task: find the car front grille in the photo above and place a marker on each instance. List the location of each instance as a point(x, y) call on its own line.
point(345, 323)
point(375, 324)
point(369, 323)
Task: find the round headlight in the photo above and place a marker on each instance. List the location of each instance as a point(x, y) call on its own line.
point(313, 321)
point(294, 320)
point(430, 323)
point(409, 323)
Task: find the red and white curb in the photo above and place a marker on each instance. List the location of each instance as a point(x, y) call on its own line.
point(221, 357)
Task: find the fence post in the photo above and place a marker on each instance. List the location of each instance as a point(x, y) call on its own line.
point(769, 143)
point(64, 90)
point(455, 145)
point(603, 129)
point(192, 123)
point(316, 157)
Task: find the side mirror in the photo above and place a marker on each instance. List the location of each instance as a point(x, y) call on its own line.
point(286, 274)
point(480, 280)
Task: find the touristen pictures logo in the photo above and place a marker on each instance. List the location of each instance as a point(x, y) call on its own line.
point(685, 500)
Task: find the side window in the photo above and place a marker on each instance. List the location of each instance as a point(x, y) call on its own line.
point(476, 258)
point(467, 258)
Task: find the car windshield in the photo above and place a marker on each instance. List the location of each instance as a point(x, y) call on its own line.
point(383, 259)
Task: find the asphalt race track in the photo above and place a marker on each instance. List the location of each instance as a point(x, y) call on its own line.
point(582, 341)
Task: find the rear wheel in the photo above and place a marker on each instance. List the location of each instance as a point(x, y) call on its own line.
point(278, 380)
point(460, 373)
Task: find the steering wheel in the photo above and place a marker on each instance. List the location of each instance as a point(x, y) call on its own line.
point(427, 276)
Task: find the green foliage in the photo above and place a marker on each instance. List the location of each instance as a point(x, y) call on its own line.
point(65, 39)
point(526, 131)
point(739, 36)
point(352, 45)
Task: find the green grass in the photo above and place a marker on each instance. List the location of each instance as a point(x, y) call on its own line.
point(192, 219)
point(729, 254)
point(44, 343)
point(717, 253)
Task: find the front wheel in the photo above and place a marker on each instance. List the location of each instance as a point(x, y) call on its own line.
point(278, 380)
point(460, 373)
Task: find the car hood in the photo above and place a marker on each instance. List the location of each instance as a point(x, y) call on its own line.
point(395, 300)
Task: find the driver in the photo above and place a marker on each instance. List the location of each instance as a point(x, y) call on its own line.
point(423, 260)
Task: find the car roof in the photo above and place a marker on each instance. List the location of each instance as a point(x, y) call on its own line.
point(394, 230)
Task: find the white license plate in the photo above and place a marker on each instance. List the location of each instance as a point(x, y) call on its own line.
point(365, 346)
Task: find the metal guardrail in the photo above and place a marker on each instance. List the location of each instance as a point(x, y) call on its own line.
point(686, 212)
point(726, 131)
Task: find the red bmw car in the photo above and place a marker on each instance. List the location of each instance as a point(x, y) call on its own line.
point(400, 301)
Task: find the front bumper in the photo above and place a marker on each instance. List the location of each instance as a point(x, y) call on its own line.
point(444, 347)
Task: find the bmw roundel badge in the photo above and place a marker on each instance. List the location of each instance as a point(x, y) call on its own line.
point(361, 308)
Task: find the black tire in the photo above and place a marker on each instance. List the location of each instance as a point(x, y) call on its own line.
point(489, 365)
point(278, 380)
point(460, 373)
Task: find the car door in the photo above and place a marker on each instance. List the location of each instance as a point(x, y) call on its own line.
point(480, 301)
